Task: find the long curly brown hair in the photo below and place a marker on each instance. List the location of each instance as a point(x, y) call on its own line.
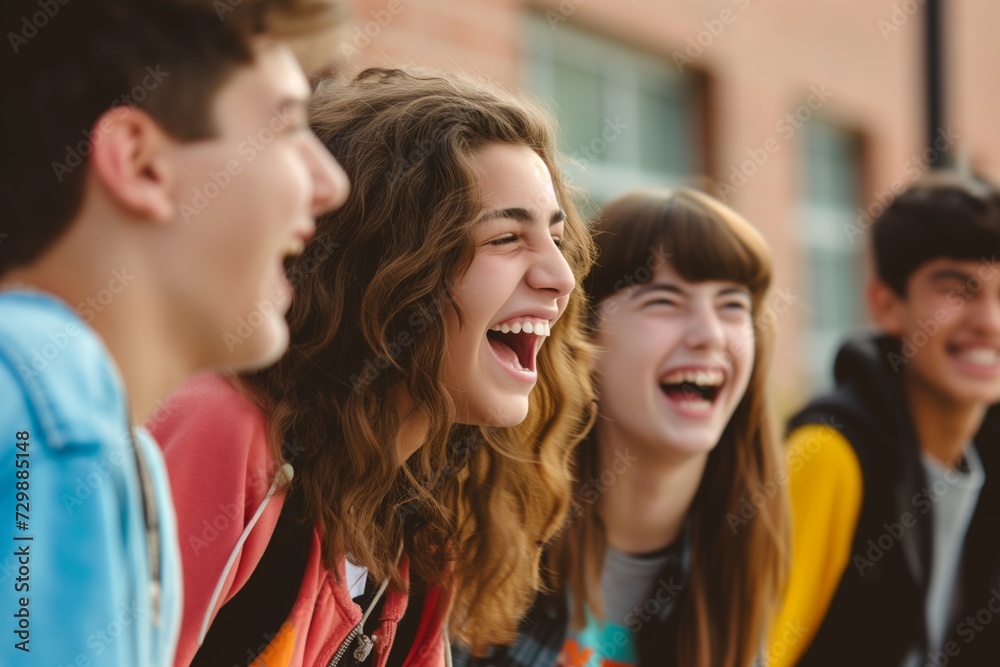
point(367, 321)
point(737, 572)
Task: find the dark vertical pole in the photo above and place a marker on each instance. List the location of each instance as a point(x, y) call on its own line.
point(934, 87)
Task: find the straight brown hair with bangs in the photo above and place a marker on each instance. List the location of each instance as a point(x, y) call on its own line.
point(735, 576)
point(369, 320)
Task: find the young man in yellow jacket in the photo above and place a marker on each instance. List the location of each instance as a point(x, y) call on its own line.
point(894, 475)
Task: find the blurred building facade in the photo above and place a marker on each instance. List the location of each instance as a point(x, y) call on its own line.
point(802, 116)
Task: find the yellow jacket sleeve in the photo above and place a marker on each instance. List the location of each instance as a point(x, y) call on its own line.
point(825, 486)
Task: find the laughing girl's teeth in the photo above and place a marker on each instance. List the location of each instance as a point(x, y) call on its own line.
point(537, 327)
point(982, 356)
point(708, 378)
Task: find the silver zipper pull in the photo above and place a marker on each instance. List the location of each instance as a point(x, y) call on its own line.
point(363, 648)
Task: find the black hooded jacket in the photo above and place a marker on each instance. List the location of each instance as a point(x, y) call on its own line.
point(877, 612)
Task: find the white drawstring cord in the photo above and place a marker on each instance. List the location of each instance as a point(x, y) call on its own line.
point(283, 476)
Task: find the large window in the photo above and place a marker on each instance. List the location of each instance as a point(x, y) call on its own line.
point(834, 264)
point(626, 118)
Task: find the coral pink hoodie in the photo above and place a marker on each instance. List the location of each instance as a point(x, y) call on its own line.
point(214, 441)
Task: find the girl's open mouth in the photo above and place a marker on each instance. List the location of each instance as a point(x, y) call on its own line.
point(693, 389)
point(516, 343)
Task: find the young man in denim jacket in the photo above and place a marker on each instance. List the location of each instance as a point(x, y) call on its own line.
point(158, 167)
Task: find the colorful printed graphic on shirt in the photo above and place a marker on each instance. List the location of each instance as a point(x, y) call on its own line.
point(599, 645)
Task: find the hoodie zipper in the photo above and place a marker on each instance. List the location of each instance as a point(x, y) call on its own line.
point(351, 636)
point(358, 629)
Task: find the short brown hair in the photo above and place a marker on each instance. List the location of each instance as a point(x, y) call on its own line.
point(74, 60)
point(942, 215)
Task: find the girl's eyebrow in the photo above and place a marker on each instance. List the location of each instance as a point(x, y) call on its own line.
point(670, 288)
point(522, 215)
point(656, 287)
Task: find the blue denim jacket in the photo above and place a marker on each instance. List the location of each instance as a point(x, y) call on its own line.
point(77, 585)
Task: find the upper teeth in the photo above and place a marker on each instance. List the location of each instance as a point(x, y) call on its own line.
point(707, 378)
point(537, 327)
point(980, 355)
point(295, 248)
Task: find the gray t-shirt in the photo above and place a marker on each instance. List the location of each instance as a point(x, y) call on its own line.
point(636, 590)
point(628, 581)
point(954, 494)
point(953, 510)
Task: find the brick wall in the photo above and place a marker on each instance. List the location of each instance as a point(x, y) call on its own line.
point(763, 58)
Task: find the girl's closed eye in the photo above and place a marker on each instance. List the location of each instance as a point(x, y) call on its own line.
point(506, 239)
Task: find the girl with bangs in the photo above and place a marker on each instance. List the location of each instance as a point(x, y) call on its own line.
point(660, 564)
point(414, 444)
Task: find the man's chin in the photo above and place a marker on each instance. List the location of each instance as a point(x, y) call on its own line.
point(264, 347)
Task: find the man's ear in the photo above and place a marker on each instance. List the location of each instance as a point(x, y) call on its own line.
point(129, 157)
point(886, 307)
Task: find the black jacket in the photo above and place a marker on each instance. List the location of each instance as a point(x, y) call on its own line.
point(877, 612)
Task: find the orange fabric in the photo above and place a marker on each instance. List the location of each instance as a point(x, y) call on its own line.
point(279, 652)
point(573, 655)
